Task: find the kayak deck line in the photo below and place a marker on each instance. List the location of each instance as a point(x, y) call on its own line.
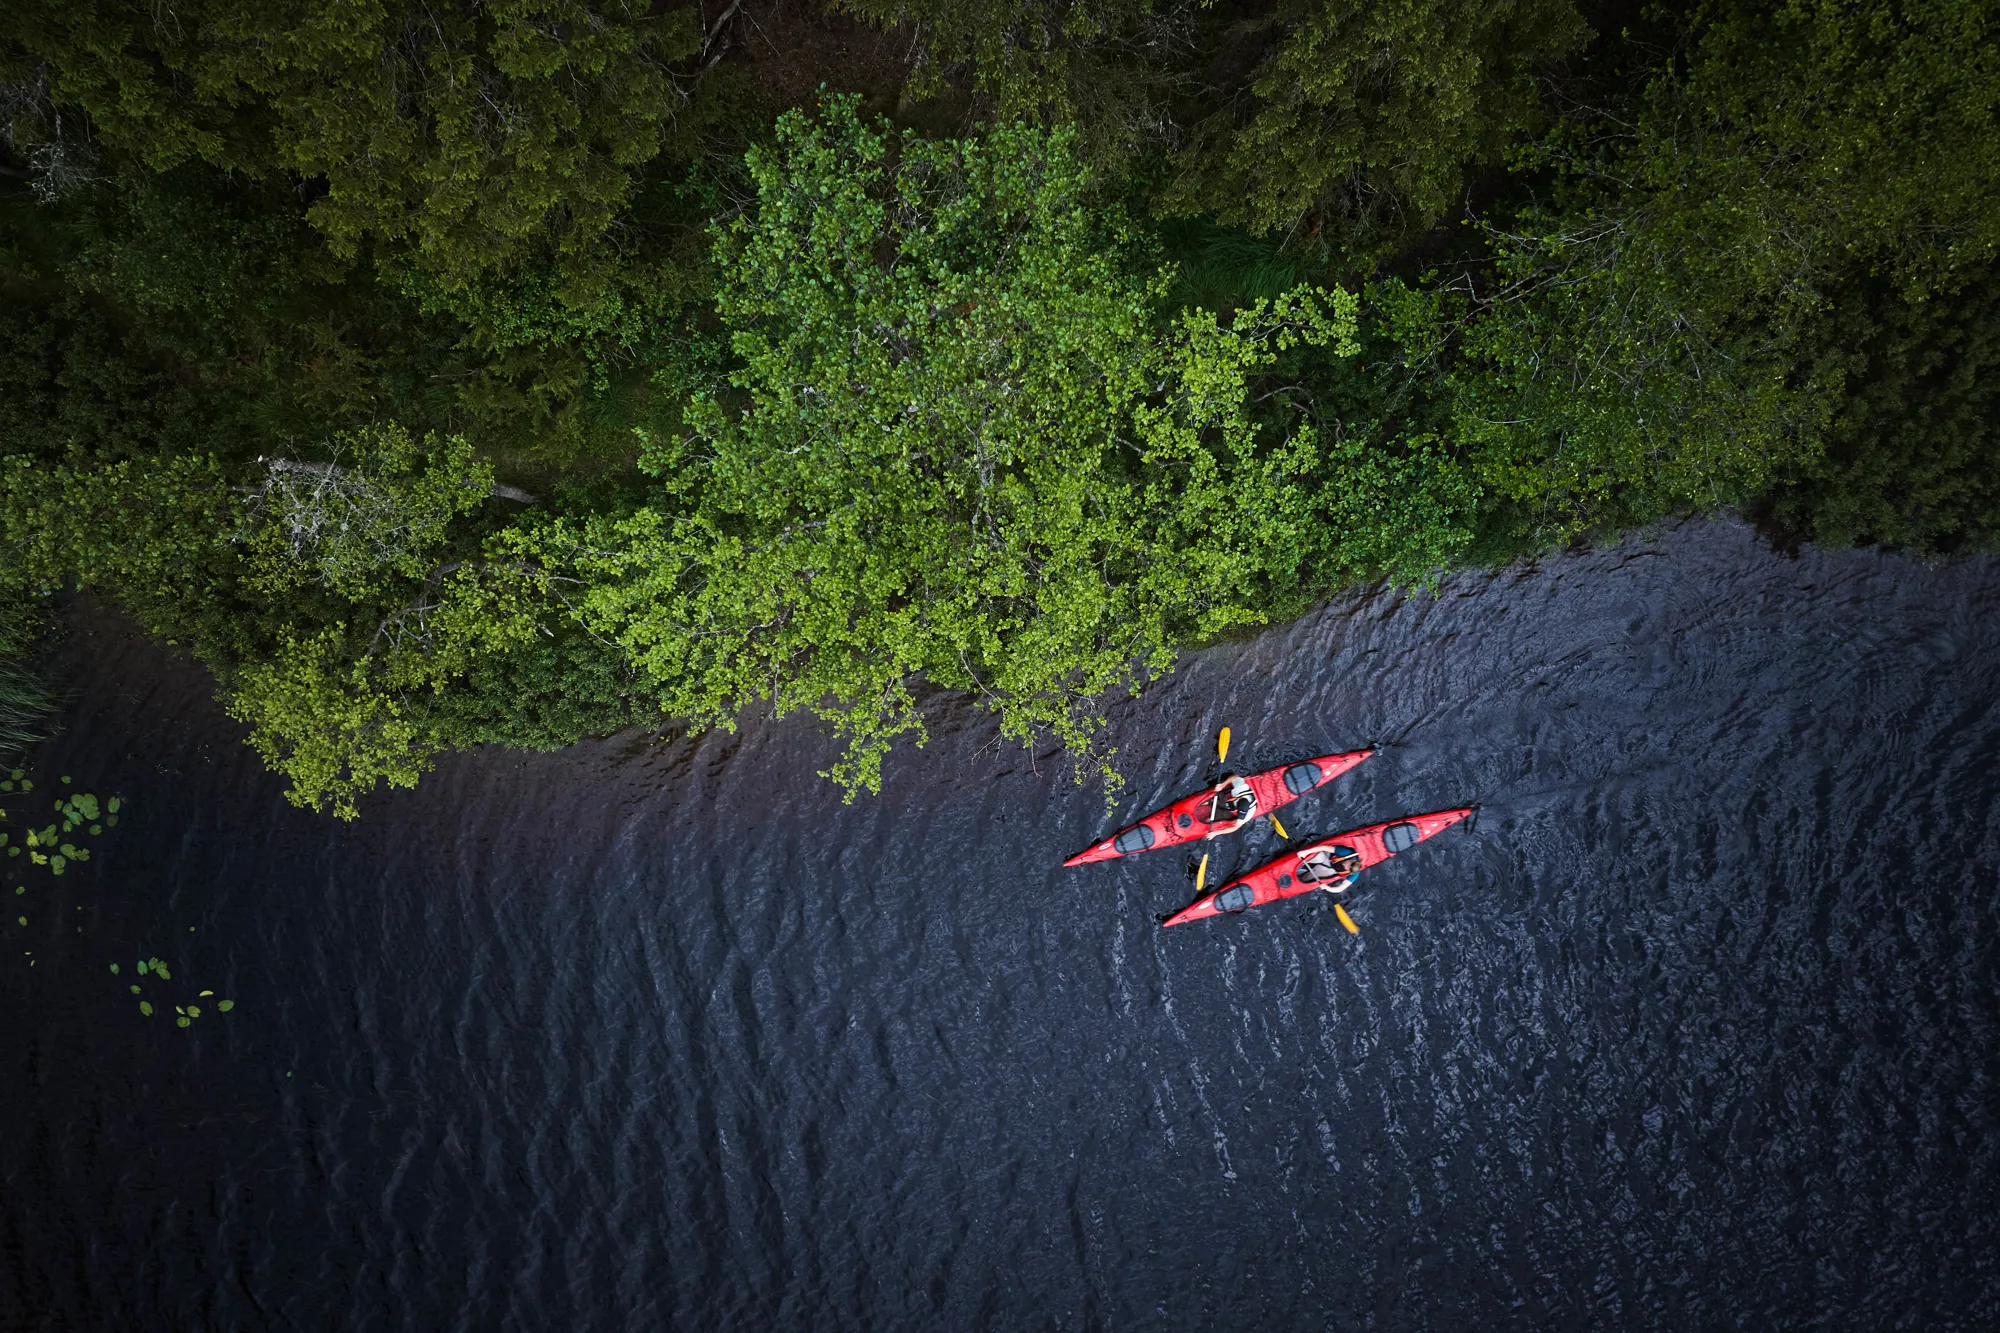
point(1236, 800)
point(1279, 878)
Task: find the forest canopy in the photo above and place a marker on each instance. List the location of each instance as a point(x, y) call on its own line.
point(517, 371)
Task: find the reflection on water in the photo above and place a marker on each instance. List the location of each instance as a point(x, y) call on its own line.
point(1697, 1028)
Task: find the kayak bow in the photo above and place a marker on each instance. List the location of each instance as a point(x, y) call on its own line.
point(1278, 879)
point(1186, 820)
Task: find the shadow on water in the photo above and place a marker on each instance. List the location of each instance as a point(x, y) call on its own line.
point(1698, 1028)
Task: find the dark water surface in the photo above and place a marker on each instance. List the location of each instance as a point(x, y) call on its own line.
point(1696, 1029)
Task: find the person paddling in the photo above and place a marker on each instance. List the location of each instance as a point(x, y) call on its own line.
point(1332, 868)
point(1233, 803)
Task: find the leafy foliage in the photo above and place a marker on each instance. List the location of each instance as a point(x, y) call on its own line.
point(462, 130)
point(1359, 120)
point(1365, 117)
point(1644, 340)
point(379, 513)
point(968, 448)
point(1912, 446)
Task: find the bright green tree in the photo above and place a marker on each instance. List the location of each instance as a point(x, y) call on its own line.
point(965, 446)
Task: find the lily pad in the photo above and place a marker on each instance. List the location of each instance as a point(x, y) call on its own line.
point(135, 990)
point(160, 971)
point(142, 967)
point(112, 805)
point(114, 969)
point(208, 992)
point(224, 1006)
point(56, 865)
point(146, 1008)
point(194, 1011)
point(86, 805)
point(182, 1021)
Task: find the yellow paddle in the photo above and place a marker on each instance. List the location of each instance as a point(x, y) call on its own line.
point(1346, 920)
point(1222, 747)
point(1281, 829)
point(1201, 873)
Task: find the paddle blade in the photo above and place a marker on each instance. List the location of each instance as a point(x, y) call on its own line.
point(1346, 920)
point(1281, 829)
point(1201, 873)
point(1222, 746)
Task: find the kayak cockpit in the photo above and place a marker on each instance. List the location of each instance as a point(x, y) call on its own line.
point(1232, 802)
point(1135, 839)
point(1235, 898)
point(1332, 868)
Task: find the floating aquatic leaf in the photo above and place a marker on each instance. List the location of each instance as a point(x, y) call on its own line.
point(65, 781)
point(142, 967)
point(109, 820)
point(86, 804)
point(56, 866)
point(208, 992)
point(34, 838)
point(95, 829)
point(80, 854)
point(224, 1006)
point(48, 836)
point(27, 785)
point(17, 774)
point(114, 969)
point(7, 785)
point(3, 837)
point(146, 1008)
point(194, 1011)
point(13, 851)
point(179, 1009)
point(182, 1021)
point(38, 858)
point(135, 990)
point(160, 971)
point(67, 850)
point(112, 805)
point(20, 889)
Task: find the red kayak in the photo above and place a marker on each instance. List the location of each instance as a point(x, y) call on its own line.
point(1330, 861)
point(1223, 808)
